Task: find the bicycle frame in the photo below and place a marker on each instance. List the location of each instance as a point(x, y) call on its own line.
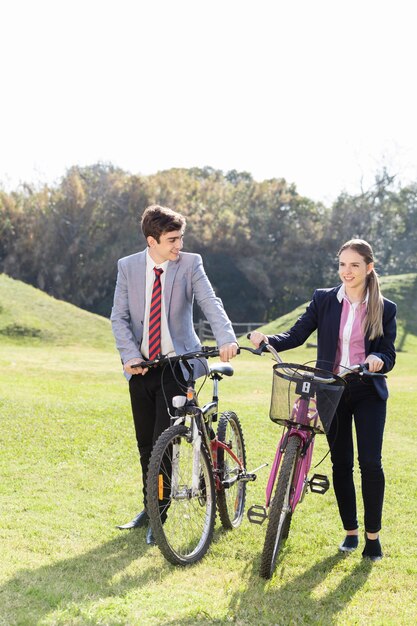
point(301, 413)
point(199, 417)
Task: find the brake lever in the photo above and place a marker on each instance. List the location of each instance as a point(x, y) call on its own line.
point(258, 350)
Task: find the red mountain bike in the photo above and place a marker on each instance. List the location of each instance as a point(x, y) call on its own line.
point(193, 469)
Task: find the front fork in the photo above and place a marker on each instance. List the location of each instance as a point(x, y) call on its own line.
point(195, 439)
point(303, 467)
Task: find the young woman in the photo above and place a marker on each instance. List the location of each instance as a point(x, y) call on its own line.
point(355, 324)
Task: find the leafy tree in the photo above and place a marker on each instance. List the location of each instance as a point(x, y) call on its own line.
point(265, 246)
point(377, 215)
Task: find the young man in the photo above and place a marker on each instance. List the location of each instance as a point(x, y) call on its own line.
point(152, 313)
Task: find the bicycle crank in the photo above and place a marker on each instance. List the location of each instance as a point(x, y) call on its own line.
point(319, 483)
point(246, 477)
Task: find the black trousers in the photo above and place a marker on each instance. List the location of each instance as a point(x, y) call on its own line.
point(360, 402)
point(151, 399)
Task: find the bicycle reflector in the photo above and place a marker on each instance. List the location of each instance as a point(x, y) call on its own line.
point(160, 487)
point(302, 396)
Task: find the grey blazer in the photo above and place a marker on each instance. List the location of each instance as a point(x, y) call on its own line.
point(185, 280)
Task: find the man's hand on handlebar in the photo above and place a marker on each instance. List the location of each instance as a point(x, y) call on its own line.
point(228, 351)
point(134, 370)
point(257, 338)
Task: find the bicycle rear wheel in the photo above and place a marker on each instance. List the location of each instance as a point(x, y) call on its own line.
point(280, 510)
point(182, 521)
point(231, 500)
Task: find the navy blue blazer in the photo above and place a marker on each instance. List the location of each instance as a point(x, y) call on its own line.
point(323, 314)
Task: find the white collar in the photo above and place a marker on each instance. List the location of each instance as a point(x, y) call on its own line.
point(341, 294)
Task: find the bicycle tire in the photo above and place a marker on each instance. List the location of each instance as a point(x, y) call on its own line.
point(231, 501)
point(182, 524)
point(280, 512)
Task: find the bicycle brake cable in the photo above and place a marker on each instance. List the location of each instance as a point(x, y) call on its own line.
point(321, 460)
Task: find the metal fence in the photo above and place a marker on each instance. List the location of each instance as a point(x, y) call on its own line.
point(203, 329)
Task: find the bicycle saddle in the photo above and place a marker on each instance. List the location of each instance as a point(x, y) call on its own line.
point(221, 368)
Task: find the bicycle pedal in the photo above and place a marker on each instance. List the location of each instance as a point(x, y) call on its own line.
point(247, 478)
point(257, 514)
point(319, 483)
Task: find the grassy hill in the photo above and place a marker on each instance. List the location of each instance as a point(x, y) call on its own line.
point(28, 315)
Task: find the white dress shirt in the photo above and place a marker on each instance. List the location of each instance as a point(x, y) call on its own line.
point(351, 345)
point(167, 347)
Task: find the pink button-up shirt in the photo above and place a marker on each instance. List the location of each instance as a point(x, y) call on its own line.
point(351, 345)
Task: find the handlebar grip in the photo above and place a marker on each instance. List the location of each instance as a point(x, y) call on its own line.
point(365, 370)
point(261, 345)
point(141, 364)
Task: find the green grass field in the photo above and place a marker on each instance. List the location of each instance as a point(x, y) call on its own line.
point(70, 473)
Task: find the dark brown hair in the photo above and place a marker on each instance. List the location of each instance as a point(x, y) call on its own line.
point(158, 219)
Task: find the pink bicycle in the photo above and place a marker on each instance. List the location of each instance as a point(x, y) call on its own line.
point(304, 400)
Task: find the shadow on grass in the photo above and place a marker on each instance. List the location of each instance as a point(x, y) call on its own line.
point(100, 573)
point(303, 600)
point(103, 572)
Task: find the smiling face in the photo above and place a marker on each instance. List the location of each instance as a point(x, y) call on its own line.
point(167, 248)
point(353, 271)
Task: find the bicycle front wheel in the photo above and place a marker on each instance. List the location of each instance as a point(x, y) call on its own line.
point(280, 511)
point(231, 500)
point(181, 503)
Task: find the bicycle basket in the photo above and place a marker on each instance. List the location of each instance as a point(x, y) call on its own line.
point(301, 395)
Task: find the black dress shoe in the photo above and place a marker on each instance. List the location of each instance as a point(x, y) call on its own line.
point(350, 543)
point(139, 521)
point(372, 549)
point(150, 539)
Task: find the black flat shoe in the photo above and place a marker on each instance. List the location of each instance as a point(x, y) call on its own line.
point(150, 539)
point(139, 521)
point(350, 543)
point(372, 549)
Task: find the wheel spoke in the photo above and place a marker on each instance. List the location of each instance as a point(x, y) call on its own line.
point(231, 500)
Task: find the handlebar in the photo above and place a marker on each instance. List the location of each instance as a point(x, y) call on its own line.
point(360, 369)
point(205, 352)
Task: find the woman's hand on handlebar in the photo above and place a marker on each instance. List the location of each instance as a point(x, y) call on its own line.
point(257, 338)
point(375, 364)
point(134, 370)
point(227, 351)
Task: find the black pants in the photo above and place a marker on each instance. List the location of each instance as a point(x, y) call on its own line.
point(361, 402)
point(151, 397)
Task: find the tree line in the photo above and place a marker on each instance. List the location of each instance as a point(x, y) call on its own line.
point(265, 247)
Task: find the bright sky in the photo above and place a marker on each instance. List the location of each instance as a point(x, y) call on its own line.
point(320, 92)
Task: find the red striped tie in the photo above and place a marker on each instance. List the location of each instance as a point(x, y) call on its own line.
point(155, 316)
